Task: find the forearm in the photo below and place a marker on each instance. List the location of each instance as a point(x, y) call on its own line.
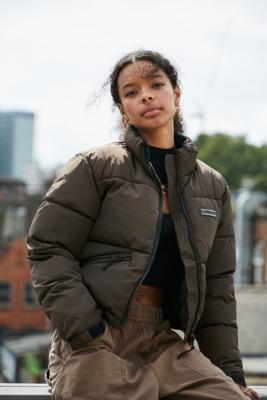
point(219, 344)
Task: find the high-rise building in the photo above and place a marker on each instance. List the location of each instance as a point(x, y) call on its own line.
point(16, 143)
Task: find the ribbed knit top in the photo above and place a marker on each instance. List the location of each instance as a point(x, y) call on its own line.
point(167, 271)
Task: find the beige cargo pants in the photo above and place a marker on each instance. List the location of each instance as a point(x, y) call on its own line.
point(145, 360)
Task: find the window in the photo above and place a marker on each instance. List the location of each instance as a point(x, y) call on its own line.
point(5, 294)
point(30, 298)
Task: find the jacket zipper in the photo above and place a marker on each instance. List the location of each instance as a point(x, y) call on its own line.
point(190, 234)
point(155, 245)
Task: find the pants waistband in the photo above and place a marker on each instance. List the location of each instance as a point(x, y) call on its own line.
point(145, 313)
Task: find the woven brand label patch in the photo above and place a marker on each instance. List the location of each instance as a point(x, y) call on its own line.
point(208, 212)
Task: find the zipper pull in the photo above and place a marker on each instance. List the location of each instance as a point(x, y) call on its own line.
point(113, 259)
point(164, 189)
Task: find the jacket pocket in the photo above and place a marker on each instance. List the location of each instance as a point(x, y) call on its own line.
point(104, 276)
point(108, 260)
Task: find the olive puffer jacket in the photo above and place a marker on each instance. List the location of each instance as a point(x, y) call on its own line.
point(95, 235)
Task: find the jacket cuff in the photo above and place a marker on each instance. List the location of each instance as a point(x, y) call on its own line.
point(84, 338)
point(238, 378)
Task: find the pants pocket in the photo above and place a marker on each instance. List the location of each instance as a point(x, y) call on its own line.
point(62, 359)
point(97, 371)
point(47, 377)
point(196, 361)
point(54, 360)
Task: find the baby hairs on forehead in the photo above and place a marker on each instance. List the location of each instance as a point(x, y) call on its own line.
point(147, 71)
point(158, 63)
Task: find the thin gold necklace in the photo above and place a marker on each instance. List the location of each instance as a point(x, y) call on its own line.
point(164, 187)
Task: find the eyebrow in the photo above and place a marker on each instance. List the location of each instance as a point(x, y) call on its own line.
point(150, 77)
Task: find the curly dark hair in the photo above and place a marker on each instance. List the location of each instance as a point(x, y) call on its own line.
point(156, 59)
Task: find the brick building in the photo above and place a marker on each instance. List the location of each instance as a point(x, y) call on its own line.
point(19, 309)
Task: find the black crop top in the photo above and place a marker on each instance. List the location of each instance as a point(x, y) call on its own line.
point(167, 270)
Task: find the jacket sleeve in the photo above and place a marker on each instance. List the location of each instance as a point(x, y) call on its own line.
point(56, 237)
point(217, 333)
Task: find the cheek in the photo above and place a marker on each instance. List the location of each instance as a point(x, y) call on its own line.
point(130, 109)
point(170, 104)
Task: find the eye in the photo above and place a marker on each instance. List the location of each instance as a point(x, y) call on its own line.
point(130, 93)
point(158, 84)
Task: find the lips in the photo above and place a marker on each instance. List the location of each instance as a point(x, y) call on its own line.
point(151, 112)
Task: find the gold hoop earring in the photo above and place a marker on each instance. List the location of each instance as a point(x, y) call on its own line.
point(125, 121)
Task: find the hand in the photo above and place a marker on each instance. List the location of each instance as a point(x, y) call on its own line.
point(251, 393)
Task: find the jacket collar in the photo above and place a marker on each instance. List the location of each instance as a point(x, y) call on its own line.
point(185, 150)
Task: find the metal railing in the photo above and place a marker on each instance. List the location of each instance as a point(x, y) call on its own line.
point(23, 391)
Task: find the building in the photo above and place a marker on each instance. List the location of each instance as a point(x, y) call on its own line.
point(251, 237)
point(259, 245)
point(16, 143)
point(19, 309)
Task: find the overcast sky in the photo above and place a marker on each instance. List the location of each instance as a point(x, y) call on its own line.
point(55, 54)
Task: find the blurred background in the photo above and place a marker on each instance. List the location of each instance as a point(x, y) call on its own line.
point(55, 60)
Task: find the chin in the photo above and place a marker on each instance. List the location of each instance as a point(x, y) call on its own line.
point(153, 125)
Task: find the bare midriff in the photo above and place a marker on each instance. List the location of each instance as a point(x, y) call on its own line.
point(165, 204)
point(148, 295)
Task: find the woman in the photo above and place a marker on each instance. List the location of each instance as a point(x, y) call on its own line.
point(132, 239)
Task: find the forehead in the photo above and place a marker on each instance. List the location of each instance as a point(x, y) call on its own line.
point(138, 70)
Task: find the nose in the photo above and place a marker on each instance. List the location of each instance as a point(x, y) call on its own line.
point(146, 97)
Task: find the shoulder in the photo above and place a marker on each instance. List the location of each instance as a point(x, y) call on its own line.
point(109, 151)
point(83, 163)
point(106, 159)
point(97, 162)
point(211, 177)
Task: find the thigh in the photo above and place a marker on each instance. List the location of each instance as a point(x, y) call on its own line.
point(91, 372)
point(95, 372)
point(201, 380)
point(92, 375)
point(185, 373)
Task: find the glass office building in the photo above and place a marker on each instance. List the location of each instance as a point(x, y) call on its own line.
point(16, 143)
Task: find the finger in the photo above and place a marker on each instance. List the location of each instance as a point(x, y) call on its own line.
point(252, 393)
point(247, 392)
point(255, 394)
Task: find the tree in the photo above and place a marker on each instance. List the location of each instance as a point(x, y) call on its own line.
point(237, 160)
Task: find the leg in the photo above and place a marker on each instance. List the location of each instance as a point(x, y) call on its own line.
point(95, 372)
point(185, 374)
point(92, 372)
point(211, 388)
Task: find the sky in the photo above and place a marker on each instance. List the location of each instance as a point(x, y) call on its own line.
point(56, 55)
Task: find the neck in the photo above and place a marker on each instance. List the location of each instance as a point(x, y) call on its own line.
point(162, 137)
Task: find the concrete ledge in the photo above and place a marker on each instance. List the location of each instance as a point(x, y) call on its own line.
point(23, 391)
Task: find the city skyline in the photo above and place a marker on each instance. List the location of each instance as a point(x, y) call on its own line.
point(58, 57)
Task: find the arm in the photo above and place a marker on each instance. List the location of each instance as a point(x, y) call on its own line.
point(217, 333)
point(56, 237)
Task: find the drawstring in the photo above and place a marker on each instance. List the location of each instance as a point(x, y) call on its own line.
point(186, 351)
point(191, 344)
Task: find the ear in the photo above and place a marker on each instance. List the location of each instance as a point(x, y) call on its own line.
point(120, 106)
point(123, 114)
point(177, 95)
